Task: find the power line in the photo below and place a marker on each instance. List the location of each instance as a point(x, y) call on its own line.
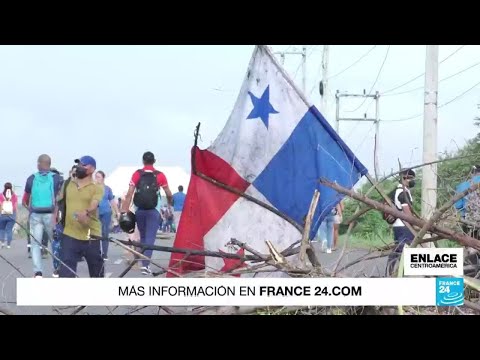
point(301, 62)
point(440, 106)
point(448, 77)
point(459, 96)
point(354, 63)
point(375, 82)
point(419, 76)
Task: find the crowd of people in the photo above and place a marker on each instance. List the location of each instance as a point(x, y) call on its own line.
point(75, 215)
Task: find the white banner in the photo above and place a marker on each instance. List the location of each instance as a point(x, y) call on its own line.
point(433, 261)
point(240, 292)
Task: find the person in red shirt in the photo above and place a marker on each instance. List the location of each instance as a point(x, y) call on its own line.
point(8, 205)
point(144, 188)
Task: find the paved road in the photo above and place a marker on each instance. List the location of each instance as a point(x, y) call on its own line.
point(17, 255)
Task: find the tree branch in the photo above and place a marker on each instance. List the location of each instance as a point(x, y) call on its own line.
point(461, 238)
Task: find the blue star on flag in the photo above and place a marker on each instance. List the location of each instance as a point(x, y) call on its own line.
point(262, 107)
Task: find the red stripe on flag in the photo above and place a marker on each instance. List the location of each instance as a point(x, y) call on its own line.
point(205, 204)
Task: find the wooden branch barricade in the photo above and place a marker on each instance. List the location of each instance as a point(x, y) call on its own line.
point(437, 229)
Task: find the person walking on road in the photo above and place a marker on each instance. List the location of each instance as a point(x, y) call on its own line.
point(39, 196)
point(144, 188)
point(8, 216)
point(178, 201)
point(107, 206)
point(82, 232)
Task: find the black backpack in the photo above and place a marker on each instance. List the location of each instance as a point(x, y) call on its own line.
point(146, 193)
point(390, 219)
point(62, 204)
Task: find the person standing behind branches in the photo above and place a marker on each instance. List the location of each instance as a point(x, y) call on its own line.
point(105, 208)
point(39, 196)
point(144, 188)
point(8, 216)
point(468, 206)
point(337, 220)
point(82, 231)
point(403, 201)
point(178, 201)
point(57, 231)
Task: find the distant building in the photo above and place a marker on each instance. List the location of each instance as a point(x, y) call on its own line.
point(119, 179)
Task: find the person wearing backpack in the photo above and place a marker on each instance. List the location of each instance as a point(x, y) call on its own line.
point(39, 196)
point(105, 208)
point(144, 188)
point(403, 201)
point(8, 216)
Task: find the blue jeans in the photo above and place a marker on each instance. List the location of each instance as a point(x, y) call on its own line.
point(325, 231)
point(106, 220)
point(72, 250)
point(7, 222)
point(39, 223)
point(147, 223)
point(401, 236)
point(56, 246)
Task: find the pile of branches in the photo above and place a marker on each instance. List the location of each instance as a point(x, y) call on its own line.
point(443, 224)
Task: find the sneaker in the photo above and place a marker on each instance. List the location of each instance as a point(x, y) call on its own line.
point(324, 245)
point(329, 251)
point(38, 275)
point(146, 270)
point(9, 247)
point(3, 244)
point(55, 274)
point(105, 258)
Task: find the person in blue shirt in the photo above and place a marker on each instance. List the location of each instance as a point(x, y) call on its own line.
point(106, 208)
point(178, 201)
point(461, 204)
point(475, 179)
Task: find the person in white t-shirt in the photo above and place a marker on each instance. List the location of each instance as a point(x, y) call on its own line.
point(403, 201)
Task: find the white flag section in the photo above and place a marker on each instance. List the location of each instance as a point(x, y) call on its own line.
point(274, 147)
point(230, 292)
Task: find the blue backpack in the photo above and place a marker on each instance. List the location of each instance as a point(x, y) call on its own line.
point(43, 194)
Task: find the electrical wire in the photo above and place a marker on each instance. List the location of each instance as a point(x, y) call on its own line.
point(301, 61)
point(354, 63)
point(441, 80)
point(459, 96)
point(419, 76)
point(440, 106)
point(375, 82)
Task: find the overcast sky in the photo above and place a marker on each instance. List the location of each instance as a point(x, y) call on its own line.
point(115, 102)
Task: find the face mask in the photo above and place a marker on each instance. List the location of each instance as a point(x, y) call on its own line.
point(411, 183)
point(81, 172)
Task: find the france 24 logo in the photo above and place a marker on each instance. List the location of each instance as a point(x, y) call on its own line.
point(449, 291)
point(433, 261)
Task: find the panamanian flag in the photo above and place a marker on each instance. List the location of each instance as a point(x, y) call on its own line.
point(274, 147)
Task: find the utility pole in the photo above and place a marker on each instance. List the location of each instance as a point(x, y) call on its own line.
point(376, 120)
point(304, 69)
point(324, 82)
point(303, 63)
point(429, 173)
point(376, 150)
